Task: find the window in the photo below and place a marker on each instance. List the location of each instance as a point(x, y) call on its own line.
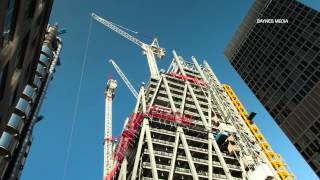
point(10, 21)
point(3, 78)
point(314, 130)
point(302, 92)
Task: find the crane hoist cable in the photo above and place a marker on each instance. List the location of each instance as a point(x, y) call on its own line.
point(76, 106)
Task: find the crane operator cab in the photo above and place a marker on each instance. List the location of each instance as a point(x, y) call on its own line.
point(160, 52)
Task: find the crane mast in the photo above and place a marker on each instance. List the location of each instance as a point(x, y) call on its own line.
point(149, 50)
point(108, 139)
point(124, 78)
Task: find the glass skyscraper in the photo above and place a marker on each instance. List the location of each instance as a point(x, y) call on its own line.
point(280, 61)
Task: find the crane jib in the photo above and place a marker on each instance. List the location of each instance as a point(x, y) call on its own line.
point(149, 50)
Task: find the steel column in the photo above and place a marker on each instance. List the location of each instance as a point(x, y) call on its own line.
point(123, 170)
point(220, 157)
point(174, 157)
point(156, 91)
point(139, 148)
point(191, 91)
point(151, 153)
point(184, 98)
point(166, 85)
point(141, 100)
point(188, 154)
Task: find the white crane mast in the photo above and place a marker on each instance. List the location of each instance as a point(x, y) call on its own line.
point(108, 139)
point(149, 50)
point(124, 78)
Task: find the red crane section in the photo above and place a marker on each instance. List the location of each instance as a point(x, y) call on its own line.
point(132, 126)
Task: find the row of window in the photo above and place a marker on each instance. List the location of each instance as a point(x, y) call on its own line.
point(279, 47)
point(300, 120)
point(292, 89)
point(311, 149)
point(272, 57)
point(285, 10)
point(266, 32)
point(272, 83)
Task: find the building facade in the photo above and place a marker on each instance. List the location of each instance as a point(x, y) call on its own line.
point(29, 50)
point(22, 25)
point(280, 62)
point(187, 125)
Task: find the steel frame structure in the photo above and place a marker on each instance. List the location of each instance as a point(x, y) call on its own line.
point(163, 149)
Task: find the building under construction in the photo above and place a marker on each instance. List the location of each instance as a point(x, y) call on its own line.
point(185, 125)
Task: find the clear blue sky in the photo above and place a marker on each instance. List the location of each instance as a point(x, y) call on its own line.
point(199, 28)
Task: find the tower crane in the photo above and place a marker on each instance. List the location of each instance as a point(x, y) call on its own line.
point(108, 139)
point(150, 50)
point(124, 78)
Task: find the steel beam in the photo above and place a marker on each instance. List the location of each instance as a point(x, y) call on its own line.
point(188, 154)
point(138, 153)
point(166, 85)
point(184, 98)
point(220, 157)
point(141, 100)
point(214, 98)
point(156, 91)
point(123, 170)
point(136, 108)
point(207, 66)
point(151, 153)
point(191, 91)
point(174, 157)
